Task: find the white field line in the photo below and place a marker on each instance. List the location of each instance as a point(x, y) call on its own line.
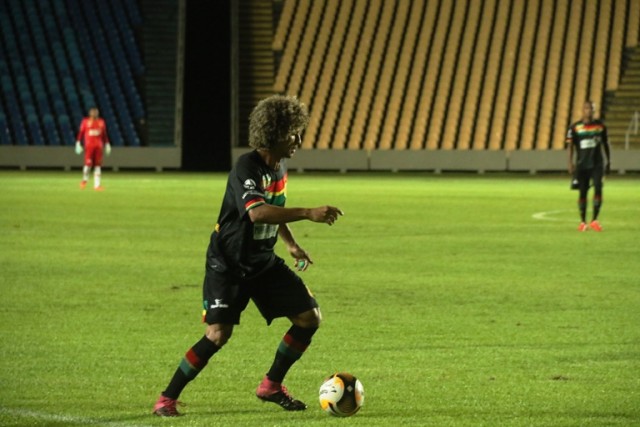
point(82, 421)
point(549, 216)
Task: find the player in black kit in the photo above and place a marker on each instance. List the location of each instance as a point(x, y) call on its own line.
point(586, 140)
point(241, 264)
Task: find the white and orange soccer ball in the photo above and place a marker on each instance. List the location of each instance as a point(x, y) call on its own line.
point(341, 395)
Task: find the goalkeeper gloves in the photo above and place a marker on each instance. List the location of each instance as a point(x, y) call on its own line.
point(107, 149)
point(79, 148)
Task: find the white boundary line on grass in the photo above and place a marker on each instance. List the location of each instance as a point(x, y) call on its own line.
point(547, 216)
point(44, 416)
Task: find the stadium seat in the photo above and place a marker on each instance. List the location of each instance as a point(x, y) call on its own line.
point(357, 75)
point(67, 135)
point(333, 79)
point(5, 134)
point(543, 139)
point(566, 85)
point(529, 122)
point(51, 130)
point(418, 65)
point(371, 75)
point(44, 51)
point(460, 90)
point(505, 83)
point(477, 76)
point(300, 69)
point(446, 80)
point(35, 133)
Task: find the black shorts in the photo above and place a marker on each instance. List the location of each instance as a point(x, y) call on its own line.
point(586, 176)
point(277, 292)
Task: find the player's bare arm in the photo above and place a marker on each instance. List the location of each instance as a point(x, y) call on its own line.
point(607, 152)
point(571, 165)
point(303, 260)
point(269, 214)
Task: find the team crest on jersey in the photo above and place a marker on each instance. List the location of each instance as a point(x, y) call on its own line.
point(249, 184)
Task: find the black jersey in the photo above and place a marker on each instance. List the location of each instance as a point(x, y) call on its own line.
point(588, 139)
point(237, 244)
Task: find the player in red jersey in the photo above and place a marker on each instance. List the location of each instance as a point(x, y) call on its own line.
point(93, 133)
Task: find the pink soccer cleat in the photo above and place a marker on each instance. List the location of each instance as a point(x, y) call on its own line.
point(269, 391)
point(166, 407)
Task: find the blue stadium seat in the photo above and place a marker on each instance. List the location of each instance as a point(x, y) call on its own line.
point(4, 67)
point(133, 11)
point(50, 129)
point(59, 106)
point(34, 130)
point(58, 57)
point(7, 83)
point(43, 103)
point(67, 135)
point(5, 134)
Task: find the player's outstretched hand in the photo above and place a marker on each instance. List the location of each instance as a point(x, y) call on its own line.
point(78, 148)
point(326, 214)
point(107, 149)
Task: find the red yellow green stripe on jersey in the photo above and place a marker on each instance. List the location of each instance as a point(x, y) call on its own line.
point(253, 203)
point(275, 193)
point(586, 130)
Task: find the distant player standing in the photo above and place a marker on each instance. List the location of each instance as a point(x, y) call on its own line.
point(241, 263)
point(93, 133)
point(587, 138)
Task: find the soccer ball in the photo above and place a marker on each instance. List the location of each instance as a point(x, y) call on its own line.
point(341, 395)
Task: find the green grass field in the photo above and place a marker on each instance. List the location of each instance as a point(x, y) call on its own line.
point(457, 300)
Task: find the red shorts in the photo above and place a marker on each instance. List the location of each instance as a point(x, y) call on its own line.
point(93, 155)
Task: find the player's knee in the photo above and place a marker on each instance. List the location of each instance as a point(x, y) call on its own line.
point(308, 319)
point(218, 334)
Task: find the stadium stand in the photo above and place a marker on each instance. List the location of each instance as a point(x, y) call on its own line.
point(550, 87)
point(412, 87)
point(337, 96)
point(523, 70)
point(356, 75)
point(159, 42)
point(506, 72)
point(441, 75)
point(460, 89)
point(490, 77)
point(340, 13)
point(377, 75)
point(256, 57)
point(401, 79)
point(445, 82)
point(523, 134)
point(391, 60)
point(371, 74)
point(61, 58)
point(430, 77)
point(463, 134)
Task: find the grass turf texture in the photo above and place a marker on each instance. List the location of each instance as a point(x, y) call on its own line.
point(443, 294)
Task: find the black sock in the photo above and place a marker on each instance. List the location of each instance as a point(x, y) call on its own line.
point(582, 205)
point(293, 345)
point(192, 363)
point(597, 202)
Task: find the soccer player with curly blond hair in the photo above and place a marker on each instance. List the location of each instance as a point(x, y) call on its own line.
point(241, 264)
